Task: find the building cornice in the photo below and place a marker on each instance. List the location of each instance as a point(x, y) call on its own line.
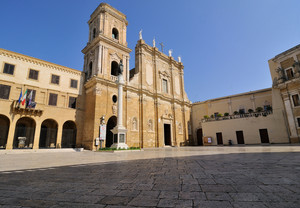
point(161, 55)
point(36, 61)
point(232, 96)
point(286, 53)
point(104, 7)
point(111, 42)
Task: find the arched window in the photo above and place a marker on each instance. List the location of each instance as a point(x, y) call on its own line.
point(90, 70)
point(114, 68)
point(115, 33)
point(94, 33)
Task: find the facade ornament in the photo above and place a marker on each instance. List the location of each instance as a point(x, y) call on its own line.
point(179, 59)
point(114, 109)
point(170, 52)
point(150, 125)
point(281, 74)
point(153, 42)
point(97, 91)
point(140, 34)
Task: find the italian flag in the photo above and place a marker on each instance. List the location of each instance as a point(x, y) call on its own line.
point(24, 98)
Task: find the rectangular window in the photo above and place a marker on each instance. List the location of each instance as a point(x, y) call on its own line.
point(298, 120)
point(165, 85)
point(55, 79)
point(289, 73)
point(52, 99)
point(74, 83)
point(33, 74)
point(72, 102)
point(28, 94)
point(295, 99)
point(4, 91)
point(9, 69)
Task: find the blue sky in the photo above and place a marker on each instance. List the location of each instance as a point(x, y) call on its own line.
point(224, 45)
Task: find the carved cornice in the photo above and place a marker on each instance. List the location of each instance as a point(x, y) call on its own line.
point(107, 40)
point(37, 61)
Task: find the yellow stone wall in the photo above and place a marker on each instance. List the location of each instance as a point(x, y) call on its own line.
point(20, 80)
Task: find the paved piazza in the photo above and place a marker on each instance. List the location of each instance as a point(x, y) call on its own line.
point(248, 176)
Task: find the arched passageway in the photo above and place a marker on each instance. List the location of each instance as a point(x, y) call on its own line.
point(112, 122)
point(4, 127)
point(48, 135)
point(24, 133)
point(69, 135)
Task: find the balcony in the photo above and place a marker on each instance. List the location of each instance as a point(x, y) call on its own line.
point(244, 115)
point(20, 109)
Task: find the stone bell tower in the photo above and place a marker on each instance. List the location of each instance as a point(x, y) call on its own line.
point(105, 48)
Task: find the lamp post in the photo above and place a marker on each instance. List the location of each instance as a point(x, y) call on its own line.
point(119, 131)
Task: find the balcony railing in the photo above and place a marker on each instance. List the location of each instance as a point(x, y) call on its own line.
point(244, 115)
point(19, 108)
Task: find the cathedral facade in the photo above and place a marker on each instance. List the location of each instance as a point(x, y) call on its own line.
point(156, 110)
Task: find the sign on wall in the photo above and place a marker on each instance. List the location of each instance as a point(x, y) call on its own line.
point(102, 132)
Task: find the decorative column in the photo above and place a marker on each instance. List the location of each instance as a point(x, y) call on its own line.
point(120, 131)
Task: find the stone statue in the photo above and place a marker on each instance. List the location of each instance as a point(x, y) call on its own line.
point(170, 52)
point(120, 69)
point(179, 59)
point(140, 34)
point(154, 42)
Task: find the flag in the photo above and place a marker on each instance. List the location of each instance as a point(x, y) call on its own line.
point(24, 98)
point(30, 99)
point(32, 105)
point(20, 97)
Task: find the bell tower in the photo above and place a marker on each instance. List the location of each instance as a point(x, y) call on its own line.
point(107, 44)
point(106, 47)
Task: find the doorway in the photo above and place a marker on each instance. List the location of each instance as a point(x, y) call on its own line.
point(167, 134)
point(111, 123)
point(69, 135)
point(264, 137)
point(240, 137)
point(219, 138)
point(199, 137)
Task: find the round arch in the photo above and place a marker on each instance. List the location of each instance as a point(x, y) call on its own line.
point(4, 128)
point(111, 123)
point(69, 135)
point(48, 135)
point(24, 133)
point(114, 68)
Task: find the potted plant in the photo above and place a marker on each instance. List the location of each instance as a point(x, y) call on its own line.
point(212, 116)
point(236, 113)
point(226, 114)
point(250, 110)
point(206, 117)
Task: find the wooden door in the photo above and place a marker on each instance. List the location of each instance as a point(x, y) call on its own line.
point(219, 138)
point(240, 137)
point(264, 137)
point(199, 137)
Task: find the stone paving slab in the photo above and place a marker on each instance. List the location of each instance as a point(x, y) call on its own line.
point(174, 178)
